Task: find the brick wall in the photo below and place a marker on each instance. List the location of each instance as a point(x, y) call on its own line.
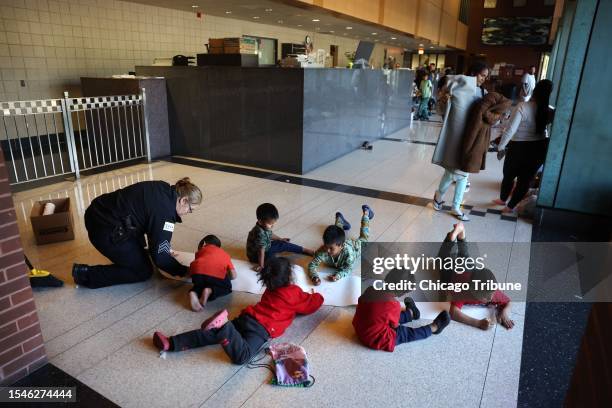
point(21, 344)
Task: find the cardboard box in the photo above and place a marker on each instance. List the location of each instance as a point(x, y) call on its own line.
point(55, 227)
point(215, 42)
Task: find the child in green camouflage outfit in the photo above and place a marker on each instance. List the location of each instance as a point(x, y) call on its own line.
point(337, 251)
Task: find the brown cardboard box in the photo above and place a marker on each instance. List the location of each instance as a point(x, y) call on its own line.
point(215, 42)
point(55, 227)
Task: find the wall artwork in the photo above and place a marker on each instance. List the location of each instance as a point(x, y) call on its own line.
point(516, 30)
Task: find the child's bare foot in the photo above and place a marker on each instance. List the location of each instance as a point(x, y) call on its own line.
point(334, 278)
point(205, 294)
point(195, 302)
point(308, 252)
point(458, 231)
point(499, 201)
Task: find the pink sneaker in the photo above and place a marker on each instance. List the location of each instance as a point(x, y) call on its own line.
point(215, 321)
point(161, 341)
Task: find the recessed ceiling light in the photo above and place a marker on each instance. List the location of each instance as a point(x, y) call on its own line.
point(195, 6)
point(393, 38)
point(432, 47)
point(280, 21)
point(268, 10)
point(331, 31)
point(420, 45)
point(349, 28)
point(228, 12)
point(315, 20)
point(256, 17)
point(299, 25)
point(374, 33)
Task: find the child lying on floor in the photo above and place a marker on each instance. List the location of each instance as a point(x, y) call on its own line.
point(244, 336)
point(379, 319)
point(263, 244)
point(479, 296)
point(337, 251)
point(211, 272)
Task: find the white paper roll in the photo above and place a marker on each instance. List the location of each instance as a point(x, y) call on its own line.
point(48, 209)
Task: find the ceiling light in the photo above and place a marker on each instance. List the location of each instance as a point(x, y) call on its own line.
point(349, 28)
point(280, 21)
point(195, 6)
point(228, 12)
point(420, 45)
point(374, 33)
point(299, 25)
point(315, 20)
point(256, 17)
point(268, 10)
point(393, 38)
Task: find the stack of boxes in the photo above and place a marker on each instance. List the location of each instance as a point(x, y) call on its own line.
point(234, 45)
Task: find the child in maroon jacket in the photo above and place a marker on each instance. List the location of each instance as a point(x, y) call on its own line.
point(379, 319)
point(243, 337)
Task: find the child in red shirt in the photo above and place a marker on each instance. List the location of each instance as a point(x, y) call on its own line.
point(243, 337)
point(211, 272)
point(499, 299)
point(379, 319)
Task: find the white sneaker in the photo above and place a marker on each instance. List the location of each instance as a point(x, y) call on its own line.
point(459, 214)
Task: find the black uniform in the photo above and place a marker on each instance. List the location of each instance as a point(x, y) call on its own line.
point(117, 223)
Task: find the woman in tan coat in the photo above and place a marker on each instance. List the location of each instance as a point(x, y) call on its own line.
point(484, 114)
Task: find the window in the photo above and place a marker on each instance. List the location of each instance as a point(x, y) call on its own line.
point(519, 3)
point(490, 3)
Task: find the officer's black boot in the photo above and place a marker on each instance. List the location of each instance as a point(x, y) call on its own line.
point(79, 274)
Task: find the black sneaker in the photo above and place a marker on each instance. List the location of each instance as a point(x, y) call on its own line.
point(442, 320)
point(79, 274)
point(410, 305)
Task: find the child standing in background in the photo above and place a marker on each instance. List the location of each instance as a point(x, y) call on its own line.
point(262, 243)
point(426, 89)
point(243, 337)
point(211, 273)
point(337, 251)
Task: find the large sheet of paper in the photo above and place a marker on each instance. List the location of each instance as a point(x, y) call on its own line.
point(344, 292)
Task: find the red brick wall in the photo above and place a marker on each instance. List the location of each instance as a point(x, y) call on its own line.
point(21, 344)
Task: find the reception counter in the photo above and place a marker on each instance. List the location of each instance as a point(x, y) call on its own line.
point(282, 119)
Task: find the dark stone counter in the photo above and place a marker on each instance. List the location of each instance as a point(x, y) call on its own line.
point(291, 120)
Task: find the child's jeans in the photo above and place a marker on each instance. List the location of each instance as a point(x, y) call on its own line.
point(219, 287)
point(278, 246)
point(423, 109)
point(461, 183)
point(364, 230)
point(241, 338)
point(407, 334)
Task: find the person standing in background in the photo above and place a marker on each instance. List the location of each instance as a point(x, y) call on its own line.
point(526, 141)
point(425, 89)
point(528, 84)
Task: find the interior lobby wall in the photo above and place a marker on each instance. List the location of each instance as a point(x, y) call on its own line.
point(50, 44)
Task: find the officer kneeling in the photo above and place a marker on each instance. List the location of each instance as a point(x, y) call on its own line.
point(117, 223)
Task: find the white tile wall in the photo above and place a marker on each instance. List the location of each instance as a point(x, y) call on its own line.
point(52, 43)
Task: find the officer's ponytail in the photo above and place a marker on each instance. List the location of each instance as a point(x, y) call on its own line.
point(185, 188)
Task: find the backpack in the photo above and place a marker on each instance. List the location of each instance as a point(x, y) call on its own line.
point(290, 366)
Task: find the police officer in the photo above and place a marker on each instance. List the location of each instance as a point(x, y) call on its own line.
point(117, 223)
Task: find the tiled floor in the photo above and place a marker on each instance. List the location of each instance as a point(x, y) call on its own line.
point(103, 337)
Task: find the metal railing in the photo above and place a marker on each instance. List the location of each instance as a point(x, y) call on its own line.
point(58, 137)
